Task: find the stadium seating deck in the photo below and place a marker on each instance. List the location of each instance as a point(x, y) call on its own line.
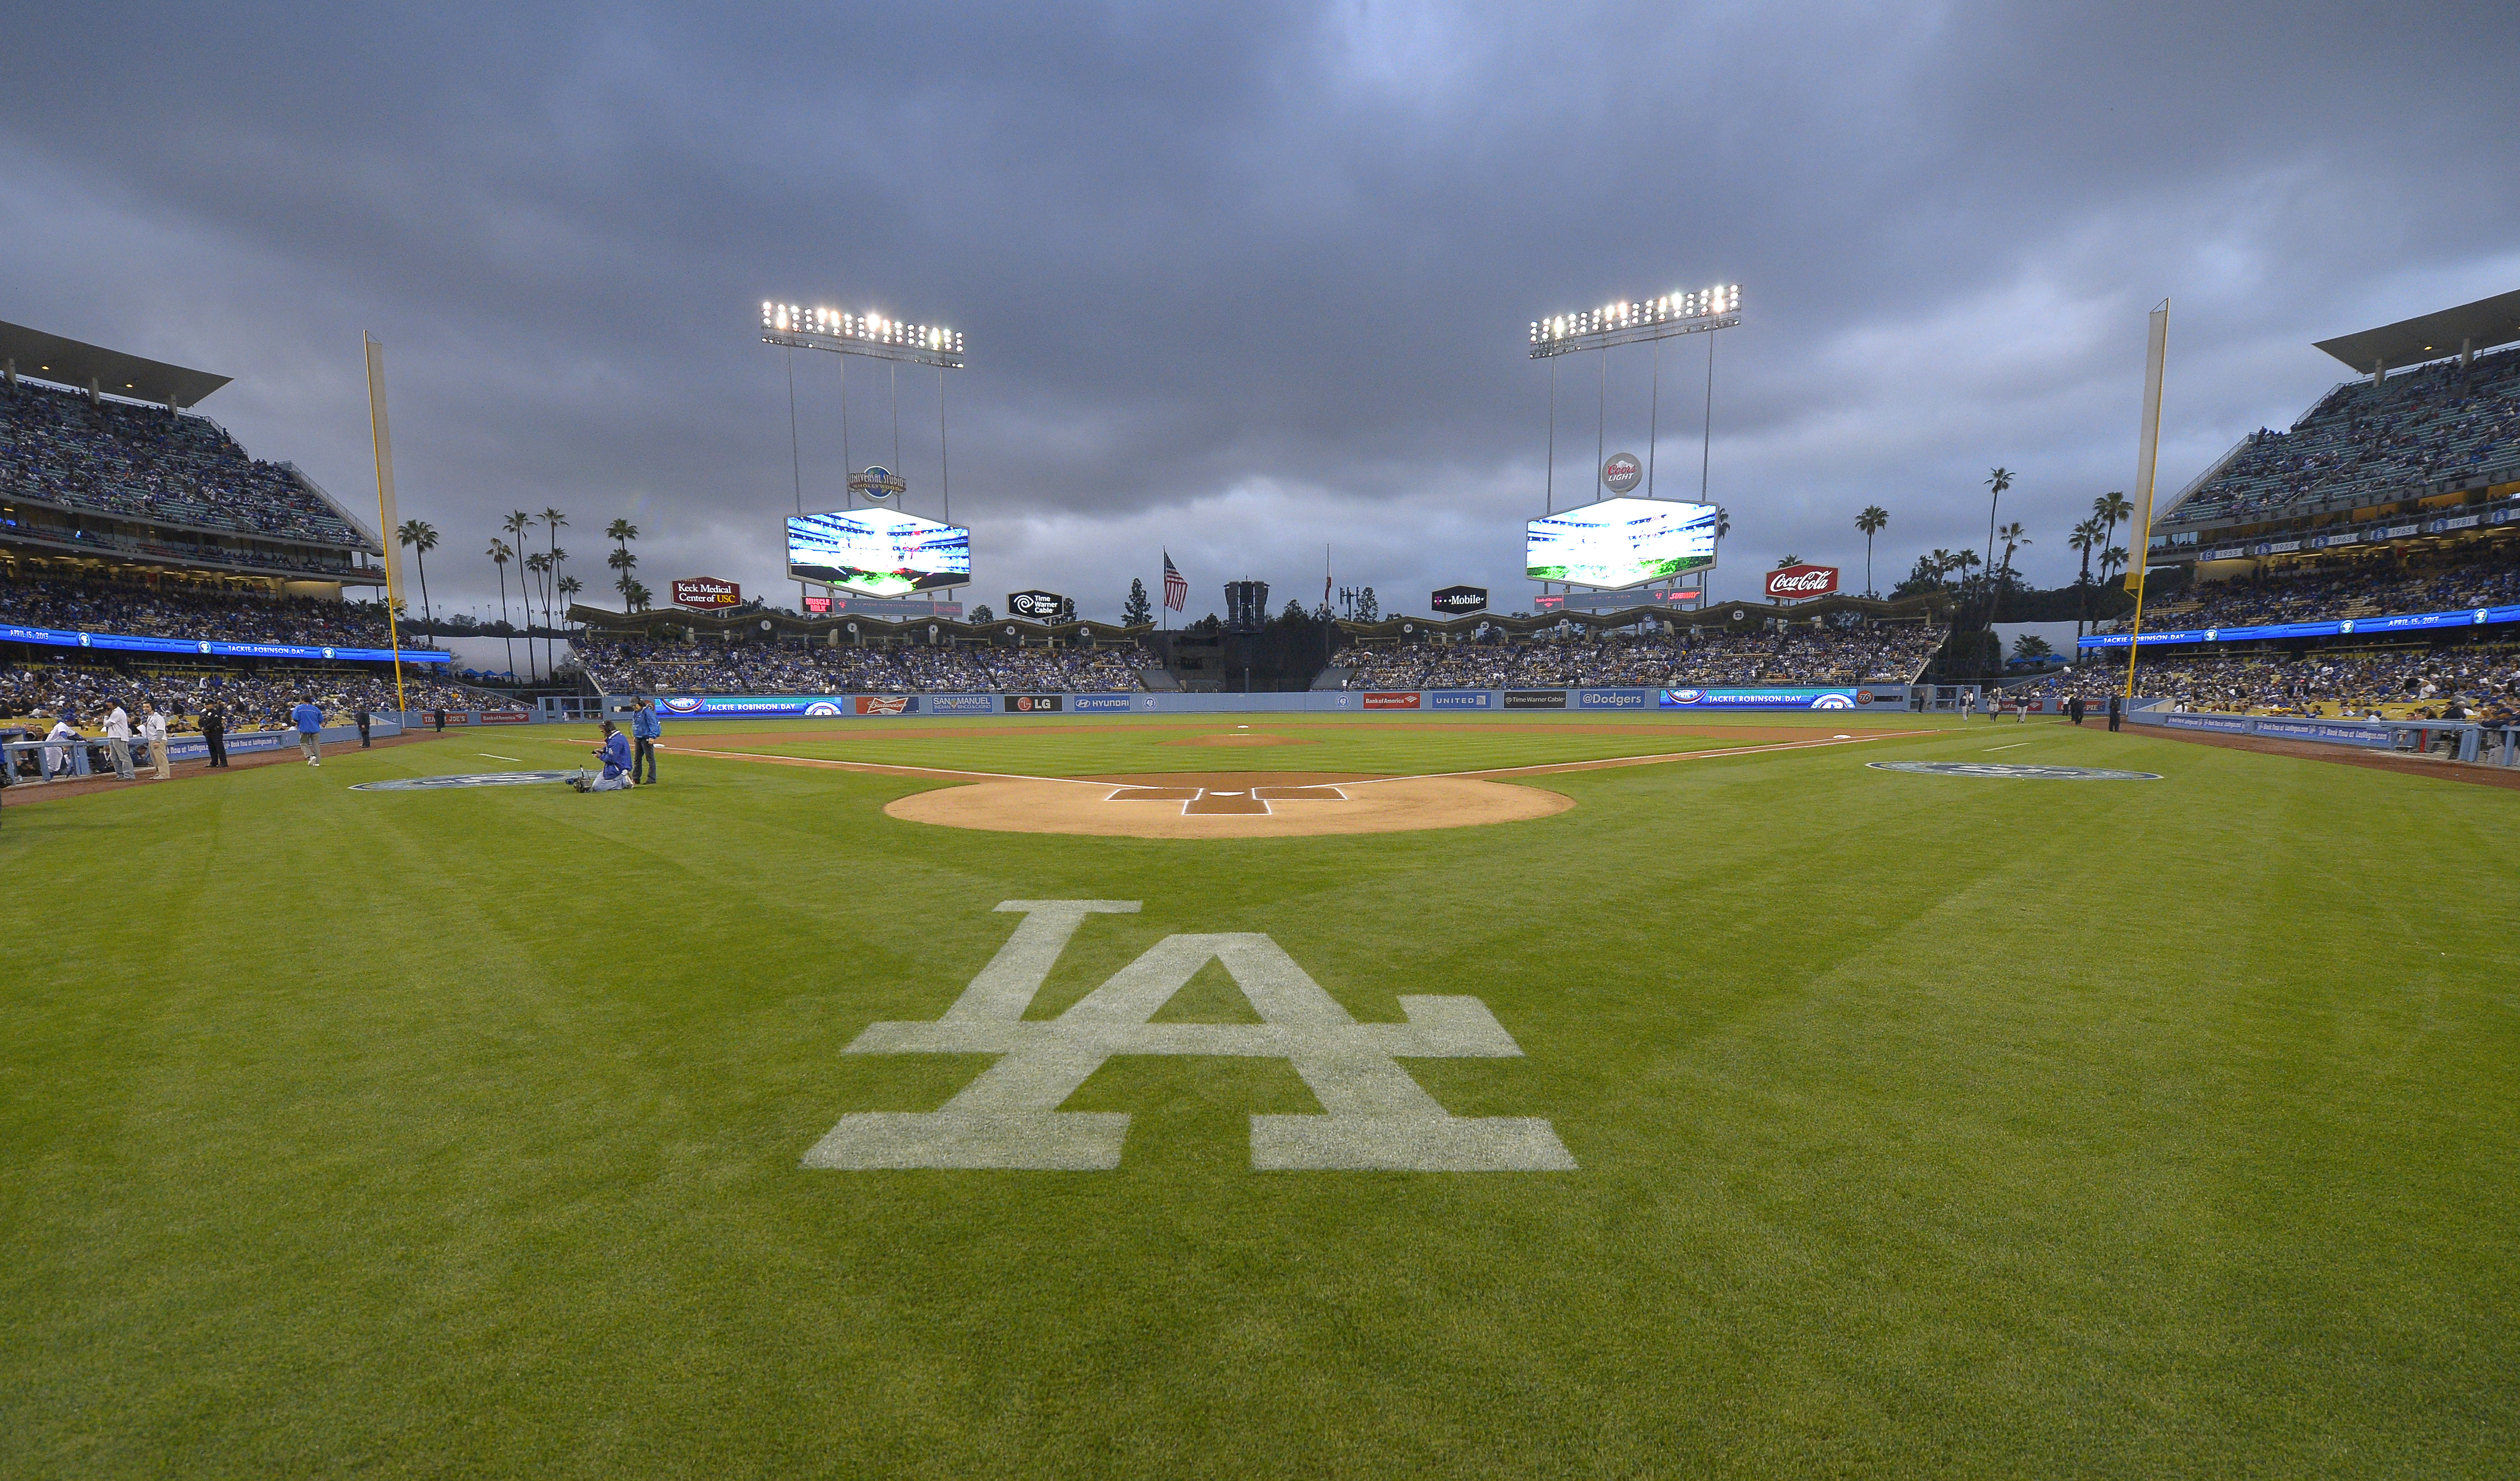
point(1870, 655)
point(144, 462)
point(2385, 441)
point(643, 667)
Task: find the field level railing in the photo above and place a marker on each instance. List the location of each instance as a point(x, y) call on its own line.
point(26, 763)
point(2462, 740)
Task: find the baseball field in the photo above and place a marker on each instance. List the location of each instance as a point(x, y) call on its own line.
point(1265, 1096)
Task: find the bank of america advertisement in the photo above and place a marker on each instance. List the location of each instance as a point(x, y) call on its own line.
point(877, 552)
point(1620, 542)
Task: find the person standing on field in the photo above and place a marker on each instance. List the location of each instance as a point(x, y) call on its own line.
point(310, 731)
point(117, 743)
point(361, 715)
point(646, 729)
point(442, 720)
point(2116, 705)
point(153, 726)
point(214, 733)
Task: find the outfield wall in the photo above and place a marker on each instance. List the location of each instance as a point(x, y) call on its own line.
point(1597, 699)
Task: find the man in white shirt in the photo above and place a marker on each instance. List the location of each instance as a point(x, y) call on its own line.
point(153, 726)
point(117, 743)
point(57, 750)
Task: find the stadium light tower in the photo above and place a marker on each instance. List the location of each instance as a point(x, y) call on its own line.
point(1653, 320)
point(1632, 322)
point(876, 337)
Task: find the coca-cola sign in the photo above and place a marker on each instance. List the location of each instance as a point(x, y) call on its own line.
point(1800, 582)
point(707, 592)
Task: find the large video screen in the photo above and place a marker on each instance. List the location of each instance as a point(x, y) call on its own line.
point(877, 552)
point(1620, 542)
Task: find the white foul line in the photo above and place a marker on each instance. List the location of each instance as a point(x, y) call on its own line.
point(487, 756)
point(2013, 746)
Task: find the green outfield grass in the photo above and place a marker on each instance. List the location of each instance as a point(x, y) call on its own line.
point(1923, 1124)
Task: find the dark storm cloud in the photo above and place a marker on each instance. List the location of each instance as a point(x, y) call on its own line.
point(1247, 280)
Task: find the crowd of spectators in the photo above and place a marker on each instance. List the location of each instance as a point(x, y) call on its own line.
point(638, 666)
point(2485, 682)
point(1885, 654)
point(249, 701)
point(2488, 576)
point(2437, 422)
point(167, 611)
point(148, 463)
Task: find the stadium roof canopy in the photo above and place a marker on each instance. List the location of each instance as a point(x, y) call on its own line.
point(2476, 326)
point(67, 362)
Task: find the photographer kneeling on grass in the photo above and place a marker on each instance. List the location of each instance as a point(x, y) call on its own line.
point(615, 755)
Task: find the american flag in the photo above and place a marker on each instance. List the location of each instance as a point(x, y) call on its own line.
point(1176, 590)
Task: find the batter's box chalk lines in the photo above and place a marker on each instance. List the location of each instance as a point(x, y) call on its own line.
point(1376, 1116)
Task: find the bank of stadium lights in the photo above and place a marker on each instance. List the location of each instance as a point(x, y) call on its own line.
point(867, 333)
point(1626, 323)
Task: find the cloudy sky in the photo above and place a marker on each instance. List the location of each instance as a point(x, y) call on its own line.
point(1248, 281)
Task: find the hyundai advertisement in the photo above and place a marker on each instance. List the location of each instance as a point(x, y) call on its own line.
point(1619, 543)
point(877, 552)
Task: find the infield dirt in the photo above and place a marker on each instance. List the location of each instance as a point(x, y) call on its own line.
point(1229, 805)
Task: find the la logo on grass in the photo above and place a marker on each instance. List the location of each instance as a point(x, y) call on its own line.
point(1375, 1115)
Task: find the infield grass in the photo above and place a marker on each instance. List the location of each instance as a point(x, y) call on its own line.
point(1925, 1124)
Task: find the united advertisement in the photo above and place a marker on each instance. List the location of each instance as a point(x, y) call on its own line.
point(1456, 699)
point(1757, 699)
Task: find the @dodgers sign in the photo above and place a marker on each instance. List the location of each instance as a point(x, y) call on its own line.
point(1376, 1114)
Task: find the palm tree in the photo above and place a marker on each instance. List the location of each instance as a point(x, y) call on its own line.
point(638, 596)
point(423, 539)
point(501, 553)
point(2112, 559)
point(2086, 539)
point(1871, 522)
point(1998, 480)
point(539, 566)
point(1961, 561)
point(1723, 528)
point(2110, 509)
point(1790, 560)
point(569, 586)
point(2014, 536)
point(553, 519)
point(621, 533)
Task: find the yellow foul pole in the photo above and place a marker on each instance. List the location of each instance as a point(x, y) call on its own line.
point(387, 523)
point(2148, 458)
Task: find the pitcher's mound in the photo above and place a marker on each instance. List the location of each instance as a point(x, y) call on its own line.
point(1261, 739)
point(1241, 805)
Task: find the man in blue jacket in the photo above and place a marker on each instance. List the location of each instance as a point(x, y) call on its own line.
point(616, 764)
point(309, 722)
point(646, 727)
